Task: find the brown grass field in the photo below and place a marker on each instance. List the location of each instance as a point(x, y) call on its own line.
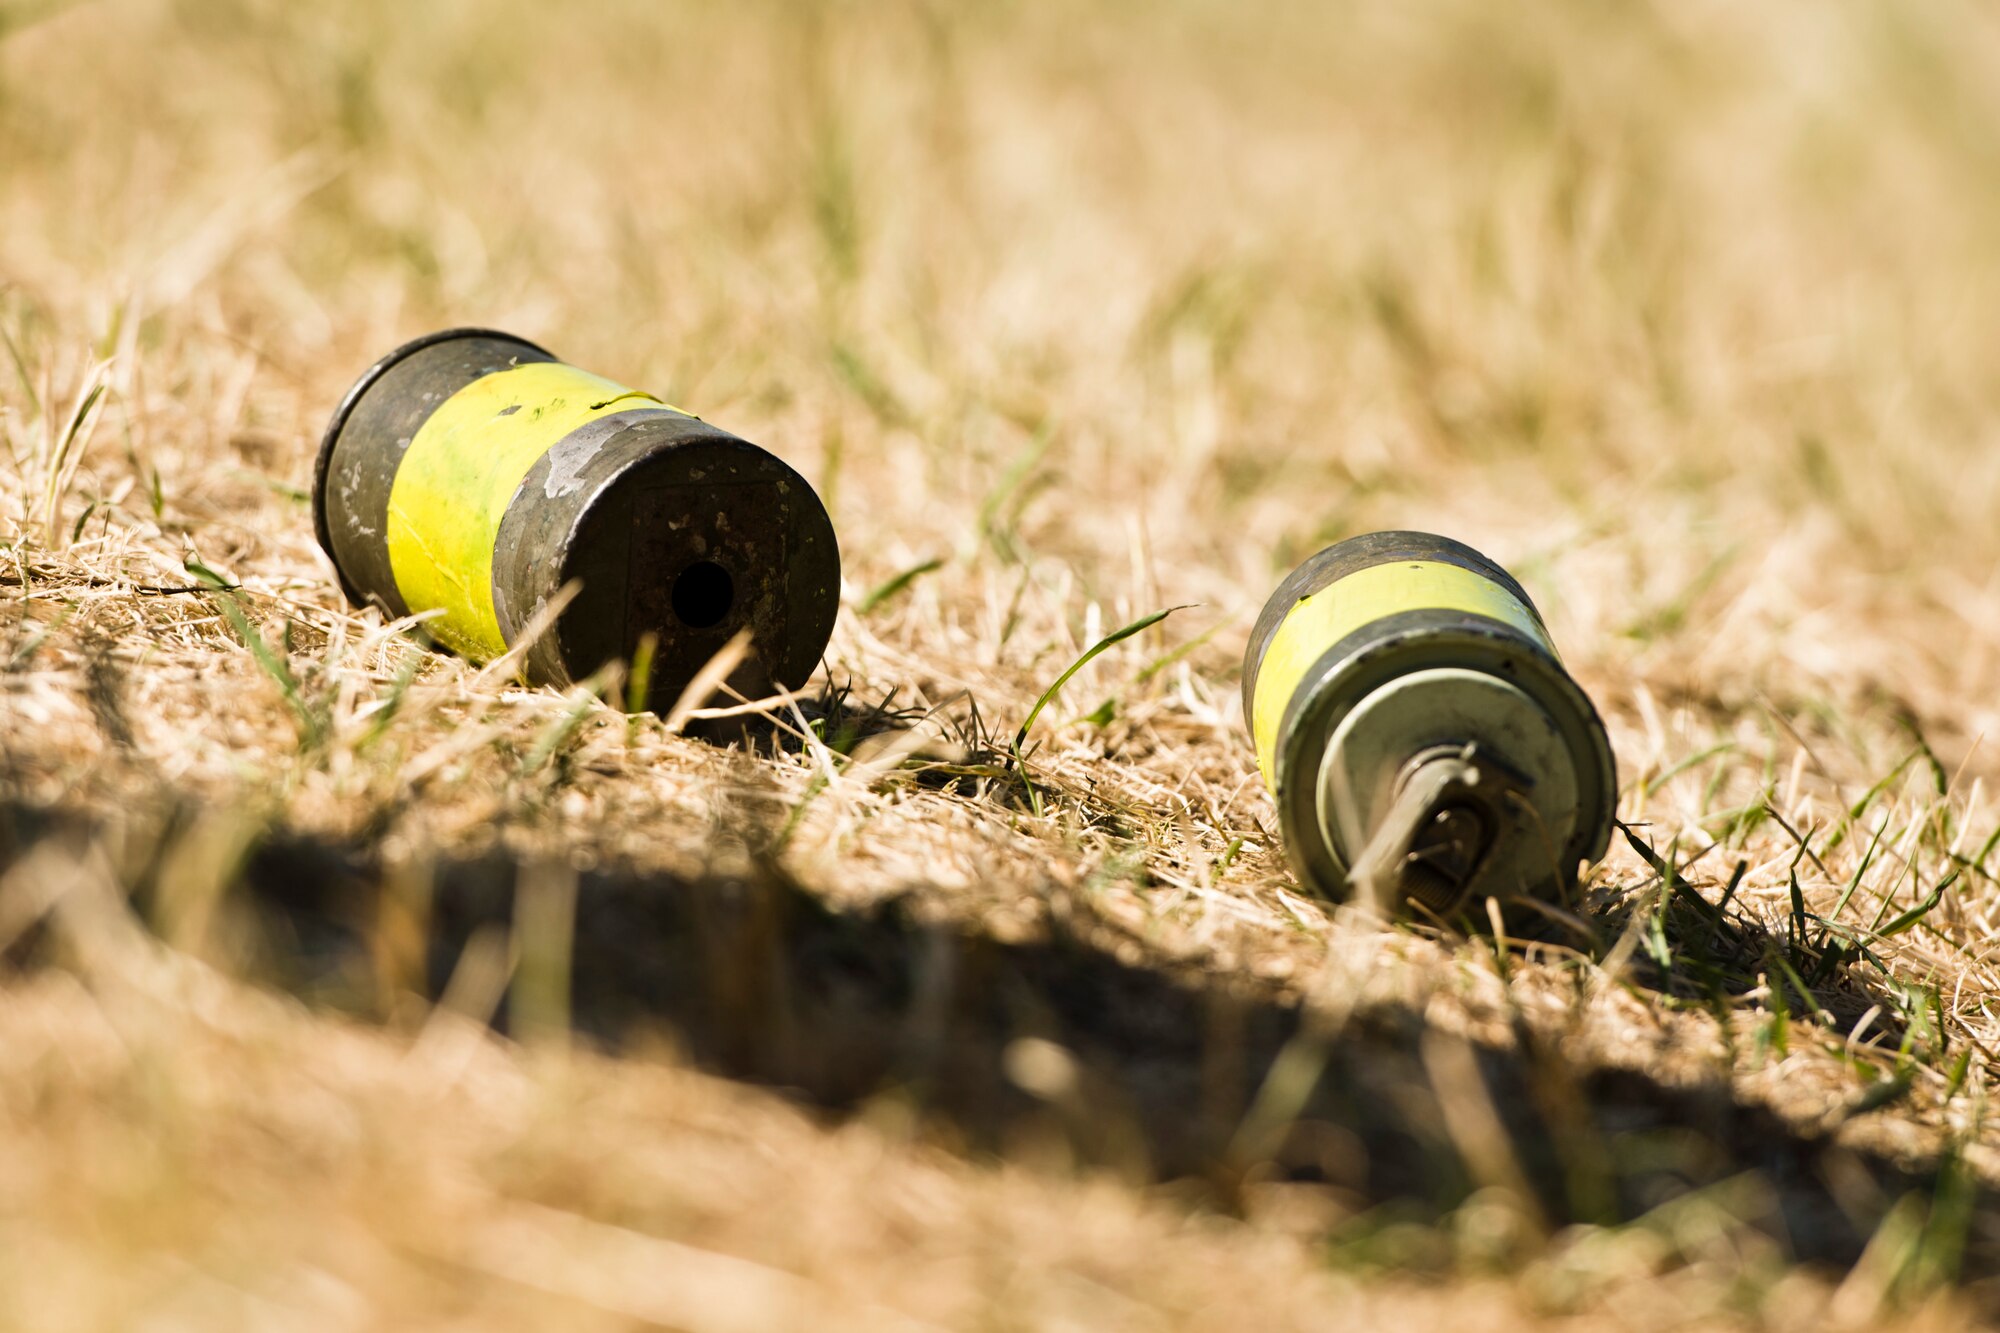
point(349, 986)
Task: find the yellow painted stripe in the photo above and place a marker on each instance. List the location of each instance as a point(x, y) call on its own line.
point(458, 475)
point(1344, 606)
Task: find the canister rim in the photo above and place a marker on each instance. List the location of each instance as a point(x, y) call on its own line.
point(1357, 666)
point(323, 461)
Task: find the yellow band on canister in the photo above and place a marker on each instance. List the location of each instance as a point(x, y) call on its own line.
point(1324, 618)
point(460, 472)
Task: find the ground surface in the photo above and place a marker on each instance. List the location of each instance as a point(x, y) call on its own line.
point(1688, 314)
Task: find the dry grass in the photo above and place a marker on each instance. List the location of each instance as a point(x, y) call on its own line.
point(1689, 314)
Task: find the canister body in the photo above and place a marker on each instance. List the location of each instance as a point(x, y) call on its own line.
point(1418, 732)
point(471, 475)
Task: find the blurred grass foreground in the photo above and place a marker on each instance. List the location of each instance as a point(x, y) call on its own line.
point(350, 986)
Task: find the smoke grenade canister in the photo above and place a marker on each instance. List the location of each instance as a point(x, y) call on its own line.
point(1420, 736)
point(471, 474)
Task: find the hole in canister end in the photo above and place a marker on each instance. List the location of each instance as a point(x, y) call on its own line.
point(703, 595)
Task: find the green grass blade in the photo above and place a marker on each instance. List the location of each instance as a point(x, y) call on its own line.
point(312, 727)
point(21, 371)
point(638, 686)
point(1921, 910)
point(889, 588)
point(1115, 637)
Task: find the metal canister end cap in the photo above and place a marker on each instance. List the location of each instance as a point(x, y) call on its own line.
point(1447, 782)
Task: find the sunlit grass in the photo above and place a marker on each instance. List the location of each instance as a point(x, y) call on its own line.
point(1072, 312)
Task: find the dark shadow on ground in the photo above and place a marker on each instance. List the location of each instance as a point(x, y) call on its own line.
point(1055, 1044)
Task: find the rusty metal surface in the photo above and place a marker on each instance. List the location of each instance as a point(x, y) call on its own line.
point(674, 528)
